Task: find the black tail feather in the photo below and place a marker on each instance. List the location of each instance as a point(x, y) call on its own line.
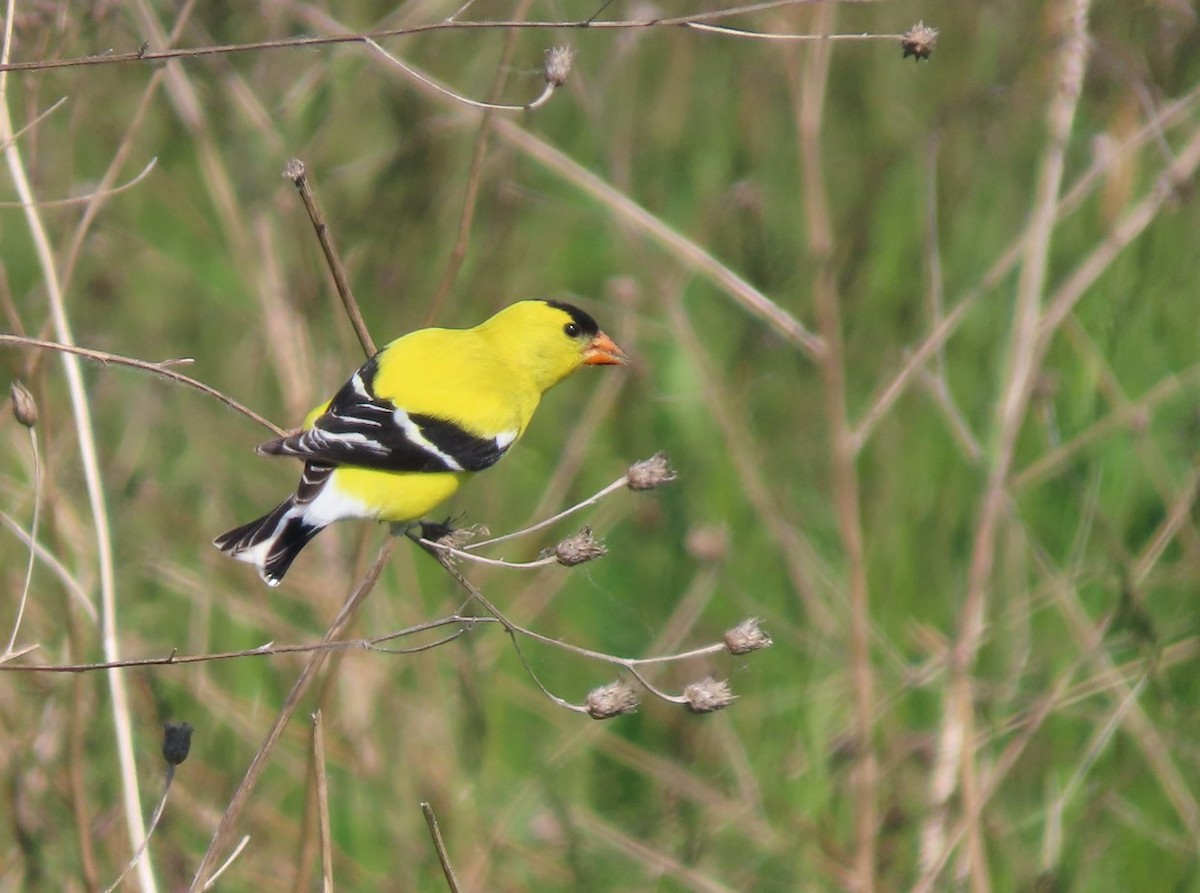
point(272, 542)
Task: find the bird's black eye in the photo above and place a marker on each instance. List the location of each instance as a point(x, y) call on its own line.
point(572, 330)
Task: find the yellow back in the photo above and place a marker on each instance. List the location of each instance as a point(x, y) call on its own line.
point(488, 379)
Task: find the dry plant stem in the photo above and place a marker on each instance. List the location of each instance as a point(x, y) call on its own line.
point(630, 665)
point(270, 649)
point(458, 12)
point(939, 854)
point(91, 196)
point(237, 851)
point(491, 562)
point(680, 247)
point(288, 345)
point(656, 863)
point(1100, 740)
point(80, 806)
point(308, 843)
point(296, 172)
point(547, 90)
point(916, 361)
point(33, 532)
point(440, 845)
point(322, 781)
point(450, 24)
point(865, 776)
point(726, 31)
point(161, 369)
point(935, 281)
point(158, 811)
point(241, 796)
point(1178, 525)
point(55, 566)
point(474, 175)
point(42, 116)
point(939, 389)
point(1130, 225)
point(1183, 168)
point(595, 498)
point(561, 702)
point(1021, 368)
point(135, 827)
point(1140, 728)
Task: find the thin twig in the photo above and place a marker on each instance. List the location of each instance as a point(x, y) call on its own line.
point(545, 561)
point(846, 491)
point(529, 671)
point(451, 24)
point(440, 845)
point(726, 31)
point(1131, 225)
point(1119, 419)
point(268, 650)
point(91, 196)
point(161, 368)
point(237, 804)
point(38, 119)
point(55, 566)
point(322, 783)
point(541, 99)
point(298, 174)
point(237, 851)
point(154, 819)
point(630, 665)
point(595, 498)
point(33, 532)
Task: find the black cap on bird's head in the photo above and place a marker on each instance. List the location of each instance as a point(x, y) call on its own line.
point(586, 322)
point(601, 350)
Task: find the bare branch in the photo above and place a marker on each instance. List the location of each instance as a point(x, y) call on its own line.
point(161, 368)
point(298, 174)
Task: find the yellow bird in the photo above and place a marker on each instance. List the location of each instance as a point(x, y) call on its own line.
point(426, 411)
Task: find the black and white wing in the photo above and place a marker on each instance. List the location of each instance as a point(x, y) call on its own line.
point(359, 429)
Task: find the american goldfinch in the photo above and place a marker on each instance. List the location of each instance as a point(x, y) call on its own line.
point(415, 420)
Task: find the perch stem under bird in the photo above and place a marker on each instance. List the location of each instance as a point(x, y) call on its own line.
point(429, 409)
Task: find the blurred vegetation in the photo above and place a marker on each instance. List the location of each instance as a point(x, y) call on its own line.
point(1085, 685)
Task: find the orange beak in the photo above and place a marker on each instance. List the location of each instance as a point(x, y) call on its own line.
point(603, 351)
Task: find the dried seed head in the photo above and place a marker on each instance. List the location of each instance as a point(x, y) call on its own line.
point(177, 741)
point(747, 636)
point(24, 407)
point(294, 170)
point(445, 534)
point(611, 700)
point(558, 65)
point(650, 473)
point(919, 41)
point(708, 695)
point(579, 548)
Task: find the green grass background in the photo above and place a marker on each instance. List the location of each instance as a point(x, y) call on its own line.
point(212, 257)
